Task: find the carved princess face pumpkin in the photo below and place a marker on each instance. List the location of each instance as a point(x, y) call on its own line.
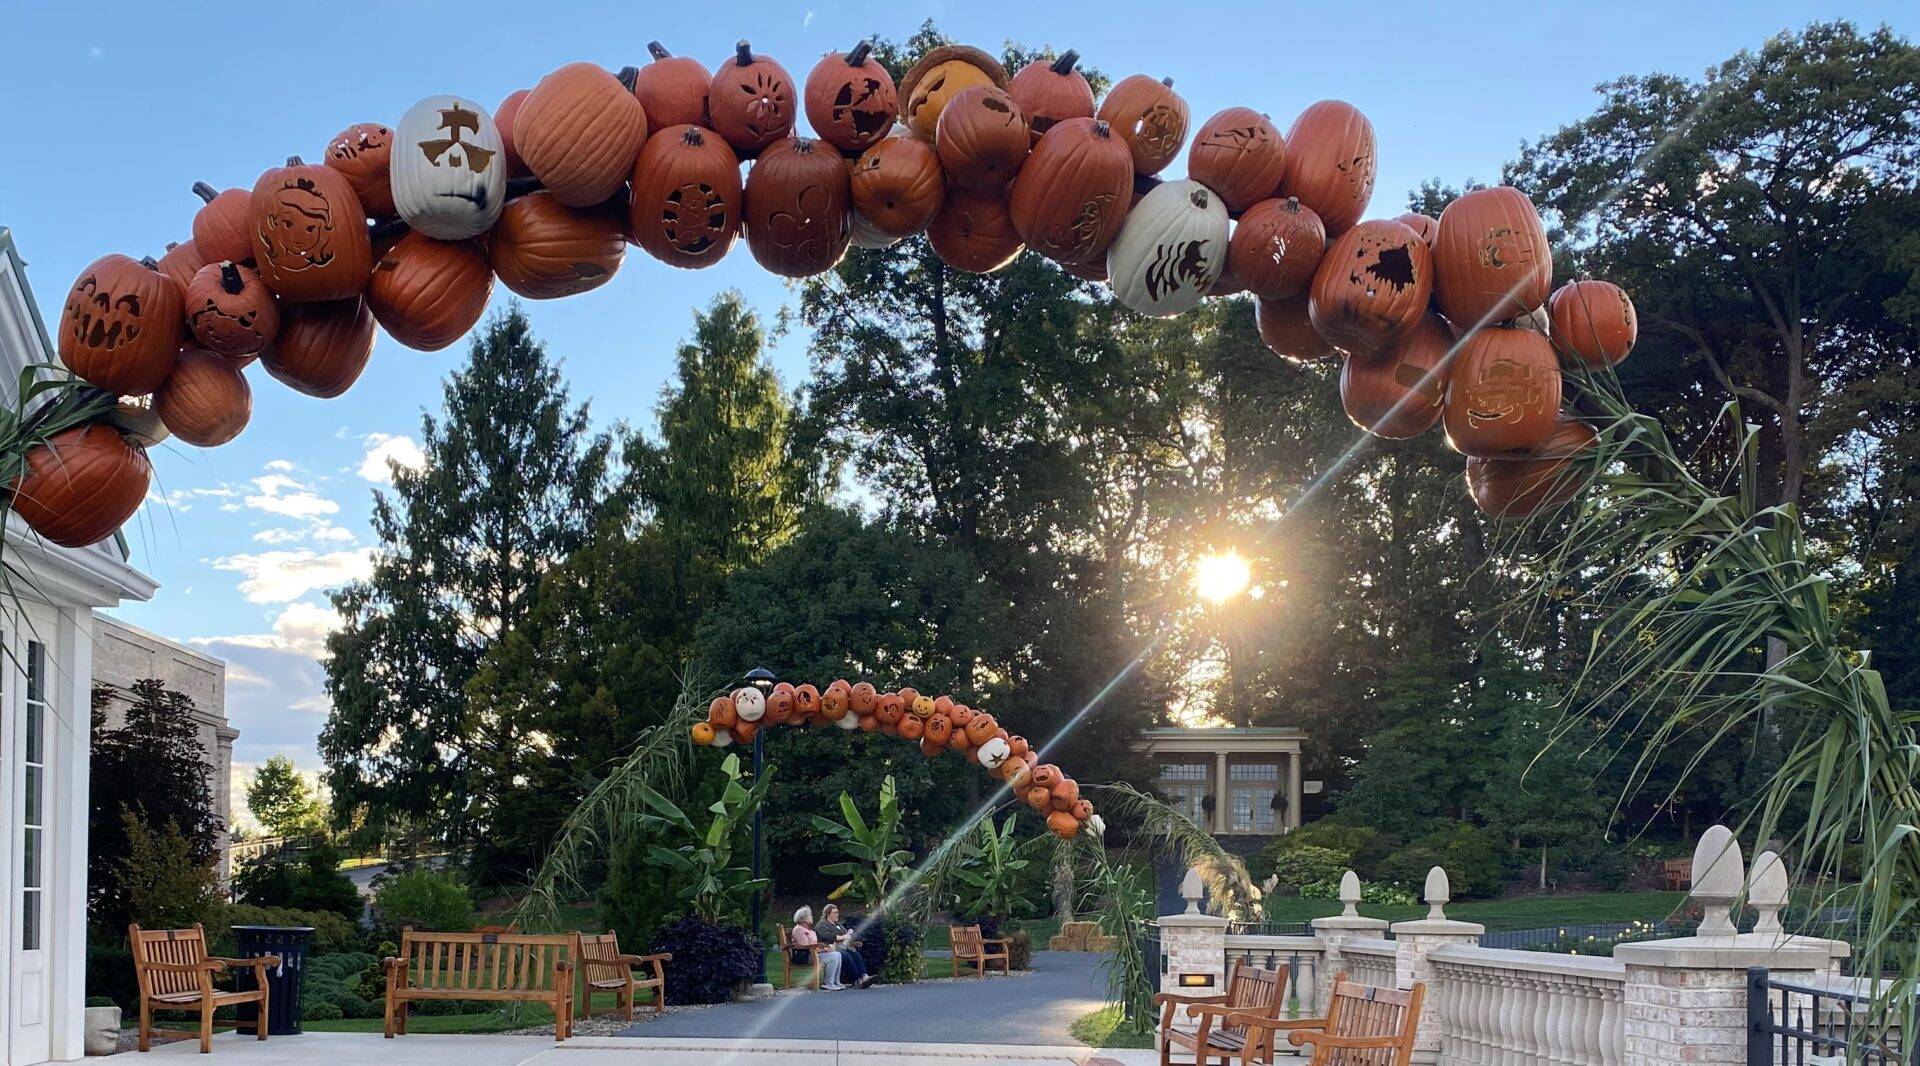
point(300, 226)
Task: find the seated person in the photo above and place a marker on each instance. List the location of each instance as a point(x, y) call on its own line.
point(853, 966)
point(802, 937)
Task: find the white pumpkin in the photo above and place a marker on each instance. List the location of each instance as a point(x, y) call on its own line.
point(1171, 249)
point(994, 752)
point(866, 236)
point(848, 720)
point(1098, 825)
point(448, 171)
point(722, 738)
point(749, 703)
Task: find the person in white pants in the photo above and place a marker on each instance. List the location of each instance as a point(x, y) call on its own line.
point(803, 937)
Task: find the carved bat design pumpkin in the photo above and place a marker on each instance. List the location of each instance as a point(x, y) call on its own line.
point(1170, 250)
point(121, 325)
point(230, 311)
point(687, 197)
point(1372, 286)
point(851, 99)
point(449, 178)
point(361, 153)
point(81, 485)
point(310, 239)
point(206, 400)
point(1503, 393)
point(1150, 117)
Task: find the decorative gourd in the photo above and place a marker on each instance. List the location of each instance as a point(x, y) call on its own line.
point(449, 182)
point(427, 294)
point(1372, 286)
point(1276, 246)
point(851, 99)
point(1491, 260)
point(1063, 824)
point(1286, 329)
point(181, 262)
point(939, 76)
point(220, 226)
point(673, 89)
point(1516, 488)
point(1330, 163)
point(1426, 226)
point(1239, 154)
point(206, 400)
point(322, 347)
point(1150, 117)
point(898, 186)
point(504, 117)
point(1072, 196)
point(543, 250)
point(1047, 93)
point(1396, 393)
point(1594, 321)
point(991, 753)
point(974, 232)
point(750, 101)
point(1171, 249)
point(230, 311)
point(122, 323)
point(363, 153)
point(81, 485)
point(798, 209)
point(579, 131)
point(310, 240)
point(1503, 393)
point(981, 138)
point(687, 197)
point(702, 733)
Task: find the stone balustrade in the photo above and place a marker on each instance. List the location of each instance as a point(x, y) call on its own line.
point(1372, 961)
point(1304, 956)
point(1498, 1007)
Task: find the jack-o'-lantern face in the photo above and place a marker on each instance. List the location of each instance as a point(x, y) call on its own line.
point(1160, 129)
point(749, 704)
point(224, 331)
point(694, 218)
point(922, 706)
point(452, 152)
point(299, 227)
point(100, 319)
point(1506, 391)
point(863, 698)
point(888, 707)
point(806, 700)
point(361, 140)
point(1505, 248)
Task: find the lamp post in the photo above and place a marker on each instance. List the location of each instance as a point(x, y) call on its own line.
point(761, 678)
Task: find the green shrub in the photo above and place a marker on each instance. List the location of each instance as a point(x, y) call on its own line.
point(1473, 858)
point(110, 970)
point(312, 882)
point(1361, 848)
point(331, 932)
point(321, 1012)
point(428, 900)
point(1380, 892)
point(165, 887)
point(101, 1001)
point(638, 898)
point(1307, 864)
point(373, 976)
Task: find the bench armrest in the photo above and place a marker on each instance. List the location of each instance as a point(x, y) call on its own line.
point(1327, 1040)
point(1176, 997)
point(258, 962)
point(204, 965)
point(1260, 1021)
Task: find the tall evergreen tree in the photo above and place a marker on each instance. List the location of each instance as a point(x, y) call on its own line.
point(152, 767)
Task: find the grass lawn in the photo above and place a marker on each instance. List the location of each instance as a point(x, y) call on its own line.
point(1102, 1029)
point(1513, 912)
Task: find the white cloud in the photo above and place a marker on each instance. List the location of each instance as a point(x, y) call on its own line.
point(300, 627)
point(284, 576)
point(281, 495)
point(284, 466)
point(385, 448)
point(319, 530)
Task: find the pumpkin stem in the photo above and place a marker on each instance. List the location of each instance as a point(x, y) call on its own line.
point(523, 186)
point(171, 245)
point(150, 262)
point(1293, 204)
point(1065, 64)
point(1101, 129)
point(658, 50)
point(387, 229)
point(859, 54)
point(692, 138)
point(294, 161)
point(230, 279)
point(629, 77)
point(1199, 198)
point(1168, 82)
point(743, 53)
point(204, 191)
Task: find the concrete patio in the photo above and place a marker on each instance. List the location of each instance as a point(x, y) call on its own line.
point(354, 1049)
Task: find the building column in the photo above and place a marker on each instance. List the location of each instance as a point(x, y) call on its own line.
point(64, 903)
point(1221, 794)
point(1295, 790)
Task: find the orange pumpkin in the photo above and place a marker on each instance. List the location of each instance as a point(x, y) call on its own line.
point(929, 748)
point(1150, 117)
point(1286, 329)
point(851, 99)
point(322, 347)
point(206, 400)
point(1240, 155)
point(1503, 393)
point(973, 232)
point(1396, 393)
point(806, 700)
point(542, 249)
point(981, 138)
point(503, 119)
point(799, 212)
point(309, 234)
point(898, 186)
point(1372, 286)
point(427, 294)
point(780, 703)
point(889, 707)
point(220, 227)
point(833, 704)
point(750, 101)
point(81, 484)
point(1491, 259)
point(1426, 226)
point(1063, 824)
point(230, 311)
point(1066, 793)
point(1017, 747)
point(579, 131)
point(673, 89)
point(1330, 163)
point(1094, 270)
point(721, 713)
point(1518, 487)
point(362, 153)
point(1048, 93)
point(912, 728)
point(686, 197)
point(181, 262)
point(1072, 196)
point(862, 698)
point(939, 729)
point(702, 733)
point(1276, 247)
point(869, 723)
point(1039, 797)
point(744, 731)
point(1046, 775)
point(122, 323)
point(1594, 321)
point(1081, 810)
point(940, 75)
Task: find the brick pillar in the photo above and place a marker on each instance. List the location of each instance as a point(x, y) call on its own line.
point(1416, 940)
point(1193, 945)
point(1337, 930)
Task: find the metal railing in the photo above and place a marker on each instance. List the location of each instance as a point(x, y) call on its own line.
point(1793, 1022)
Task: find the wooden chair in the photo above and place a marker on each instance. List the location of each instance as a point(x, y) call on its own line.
point(1252, 993)
point(604, 969)
point(174, 972)
point(786, 956)
point(1364, 1026)
point(481, 966)
point(980, 951)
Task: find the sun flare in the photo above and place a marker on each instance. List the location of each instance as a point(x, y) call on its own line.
point(1221, 577)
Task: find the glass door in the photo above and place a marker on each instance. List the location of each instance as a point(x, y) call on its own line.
point(30, 742)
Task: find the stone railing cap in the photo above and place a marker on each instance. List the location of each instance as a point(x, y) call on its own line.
point(1437, 926)
point(1598, 967)
point(1726, 953)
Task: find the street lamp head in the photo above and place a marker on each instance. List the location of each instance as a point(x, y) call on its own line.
point(761, 678)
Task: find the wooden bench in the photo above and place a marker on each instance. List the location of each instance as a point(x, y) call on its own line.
point(174, 972)
point(980, 951)
point(1252, 993)
point(1364, 1026)
point(603, 968)
point(482, 966)
point(786, 956)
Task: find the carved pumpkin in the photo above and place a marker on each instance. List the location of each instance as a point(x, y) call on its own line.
point(1017, 747)
point(427, 294)
point(310, 240)
point(1046, 775)
point(744, 732)
point(898, 186)
point(1330, 163)
point(1239, 154)
point(181, 262)
point(1372, 286)
point(938, 77)
point(991, 753)
point(1491, 260)
point(1047, 93)
point(833, 704)
point(322, 347)
point(220, 226)
point(981, 729)
point(81, 484)
point(1063, 824)
point(1286, 329)
point(1072, 196)
point(1426, 226)
point(673, 89)
point(448, 179)
point(750, 101)
point(912, 728)
point(1039, 798)
point(702, 733)
point(544, 250)
point(1276, 246)
point(1081, 810)
point(981, 138)
point(687, 197)
point(974, 232)
point(928, 748)
point(806, 700)
point(205, 401)
point(503, 120)
point(798, 208)
point(851, 99)
point(362, 153)
point(230, 311)
point(1094, 270)
point(862, 697)
point(921, 707)
point(1396, 393)
point(1594, 321)
point(1149, 117)
point(1518, 487)
point(1503, 393)
point(938, 728)
point(960, 742)
point(1170, 250)
point(888, 707)
point(1066, 793)
point(122, 323)
point(579, 131)
point(777, 707)
point(721, 712)
point(747, 704)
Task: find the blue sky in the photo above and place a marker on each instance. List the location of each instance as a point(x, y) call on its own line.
point(111, 111)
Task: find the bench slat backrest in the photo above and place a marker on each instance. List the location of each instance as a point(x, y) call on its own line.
point(174, 946)
point(1254, 990)
point(600, 949)
point(483, 962)
point(1363, 1010)
point(966, 940)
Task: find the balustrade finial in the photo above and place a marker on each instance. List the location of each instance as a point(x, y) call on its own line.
point(1767, 890)
point(1439, 892)
point(1192, 889)
point(1350, 894)
point(1719, 876)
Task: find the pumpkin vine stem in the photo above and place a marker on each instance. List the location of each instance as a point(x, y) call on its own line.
point(150, 262)
point(629, 77)
point(1168, 82)
point(204, 191)
point(857, 56)
point(1065, 64)
point(692, 138)
point(230, 278)
point(743, 53)
point(658, 50)
point(294, 161)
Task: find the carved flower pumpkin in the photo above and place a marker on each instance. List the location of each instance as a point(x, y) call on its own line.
point(1426, 226)
point(673, 89)
point(1047, 93)
point(122, 323)
point(898, 186)
point(206, 400)
point(981, 138)
point(579, 131)
point(1491, 260)
point(686, 197)
point(974, 232)
point(220, 227)
point(1503, 393)
point(503, 119)
point(81, 485)
point(1397, 392)
point(449, 182)
point(1330, 163)
point(1072, 196)
point(310, 240)
point(851, 99)
point(543, 250)
point(426, 293)
point(1149, 117)
point(322, 347)
point(230, 311)
point(1594, 321)
point(1171, 249)
point(750, 101)
point(1286, 329)
point(362, 154)
point(1545, 477)
point(938, 77)
point(1239, 154)
point(1063, 824)
point(181, 262)
point(798, 208)
point(1372, 286)
point(1276, 247)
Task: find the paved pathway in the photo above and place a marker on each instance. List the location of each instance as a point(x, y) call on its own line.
point(358, 1049)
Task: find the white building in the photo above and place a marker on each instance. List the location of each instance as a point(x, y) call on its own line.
point(46, 677)
point(1236, 782)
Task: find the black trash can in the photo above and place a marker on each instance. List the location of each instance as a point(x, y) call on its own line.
point(284, 981)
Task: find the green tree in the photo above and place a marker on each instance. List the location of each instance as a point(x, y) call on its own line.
point(992, 876)
point(165, 886)
point(150, 769)
point(281, 801)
